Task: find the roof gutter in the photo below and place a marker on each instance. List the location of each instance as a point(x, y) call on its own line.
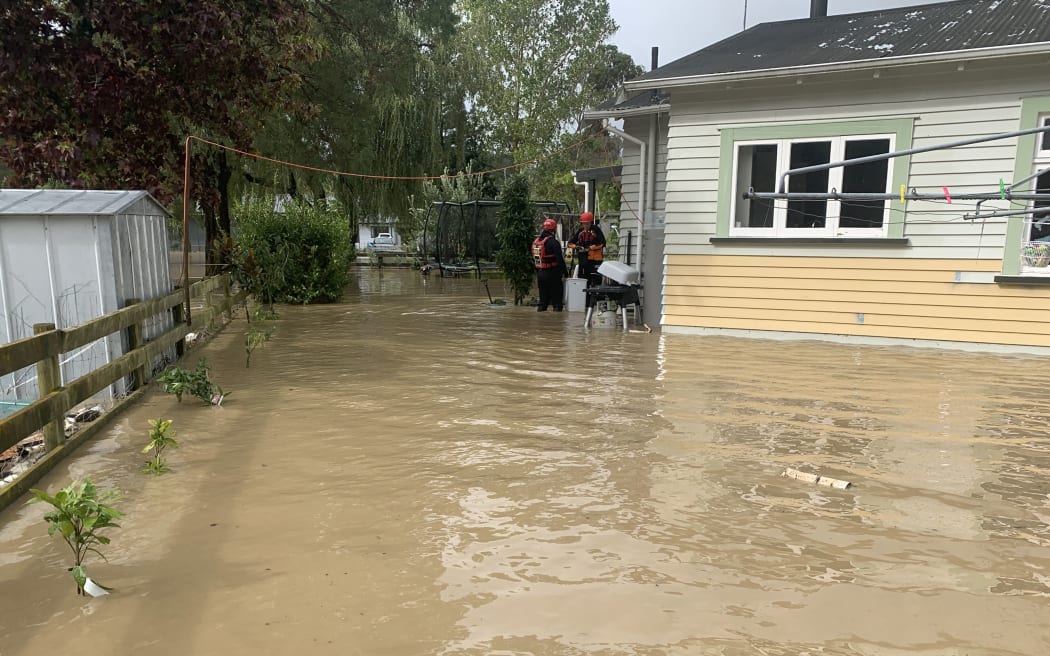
point(809, 69)
point(594, 114)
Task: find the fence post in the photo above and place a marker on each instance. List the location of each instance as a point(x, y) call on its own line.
point(209, 310)
point(135, 341)
point(227, 289)
point(48, 379)
point(178, 316)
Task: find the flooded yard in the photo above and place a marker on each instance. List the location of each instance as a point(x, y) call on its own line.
point(414, 472)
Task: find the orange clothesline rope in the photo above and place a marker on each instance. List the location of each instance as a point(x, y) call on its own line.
point(372, 176)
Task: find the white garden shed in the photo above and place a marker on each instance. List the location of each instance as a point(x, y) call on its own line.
point(68, 256)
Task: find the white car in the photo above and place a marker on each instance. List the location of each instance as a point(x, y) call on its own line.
point(383, 242)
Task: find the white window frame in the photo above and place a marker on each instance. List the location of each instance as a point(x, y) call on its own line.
point(1039, 162)
point(831, 227)
point(1040, 152)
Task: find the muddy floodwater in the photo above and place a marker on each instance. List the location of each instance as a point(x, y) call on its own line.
point(414, 472)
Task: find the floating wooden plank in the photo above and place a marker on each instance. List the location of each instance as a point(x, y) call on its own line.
point(817, 479)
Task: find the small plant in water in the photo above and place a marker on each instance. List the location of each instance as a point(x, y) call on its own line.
point(80, 513)
point(260, 329)
point(160, 438)
point(196, 383)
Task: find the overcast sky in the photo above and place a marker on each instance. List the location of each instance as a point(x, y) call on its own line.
point(680, 27)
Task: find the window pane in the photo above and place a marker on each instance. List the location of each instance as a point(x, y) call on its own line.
point(756, 169)
point(809, 213)
point(864, 178)
point(1046, 135)
point(1041, 223)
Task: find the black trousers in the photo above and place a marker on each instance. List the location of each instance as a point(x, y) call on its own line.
point(550, 287)
point(589, 272)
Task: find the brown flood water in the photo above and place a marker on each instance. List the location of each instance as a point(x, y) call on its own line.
point(414, 472)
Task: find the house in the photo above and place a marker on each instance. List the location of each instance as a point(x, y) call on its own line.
point(370, 228)
point(907, 261)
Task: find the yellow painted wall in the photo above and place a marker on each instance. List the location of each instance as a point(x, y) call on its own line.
point(899, 298)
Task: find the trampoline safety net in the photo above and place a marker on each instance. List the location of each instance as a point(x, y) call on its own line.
point(460, 237)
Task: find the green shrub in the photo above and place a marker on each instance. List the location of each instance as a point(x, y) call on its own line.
point(197, 383)
point(299, 255)
point(515, 231)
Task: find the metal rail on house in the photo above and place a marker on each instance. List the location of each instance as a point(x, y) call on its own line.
point(1031, 211)
point(912, 195)
point(999, 213)
point(780, 193)
point(56, 399)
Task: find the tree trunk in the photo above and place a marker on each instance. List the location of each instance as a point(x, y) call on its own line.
point(216, 210)
point(212, 258)
point(225, 174)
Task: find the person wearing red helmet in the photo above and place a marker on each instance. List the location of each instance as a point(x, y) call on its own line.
point(550, 267)
point(589, 246)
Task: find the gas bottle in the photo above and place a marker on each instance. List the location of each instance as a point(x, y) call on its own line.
point(606, 319)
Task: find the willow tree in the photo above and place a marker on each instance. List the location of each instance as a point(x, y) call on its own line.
point(377, 105)
point(529, 64)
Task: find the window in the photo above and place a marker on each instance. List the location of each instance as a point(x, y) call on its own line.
point(758, 165)
point(1035, 247)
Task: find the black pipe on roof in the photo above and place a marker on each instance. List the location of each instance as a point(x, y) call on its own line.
point(818, 8)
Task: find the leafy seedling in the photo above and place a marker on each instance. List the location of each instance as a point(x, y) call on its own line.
point(160, 438)
point(195, 383)
point(80, 514)
point(260, 329)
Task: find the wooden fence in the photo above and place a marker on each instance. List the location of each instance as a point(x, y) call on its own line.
point(47, 344)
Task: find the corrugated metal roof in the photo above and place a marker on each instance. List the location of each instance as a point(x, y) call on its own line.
point(599, 174)
point(69, 201)
point(918, 30)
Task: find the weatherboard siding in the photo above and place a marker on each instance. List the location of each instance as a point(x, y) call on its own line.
point(630, 201)
point(946, 104)
point(901, 298)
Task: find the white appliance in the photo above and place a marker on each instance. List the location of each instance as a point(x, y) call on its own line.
point(620, 273)
point(575, 296)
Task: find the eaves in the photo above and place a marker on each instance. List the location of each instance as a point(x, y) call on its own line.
point(626, 113)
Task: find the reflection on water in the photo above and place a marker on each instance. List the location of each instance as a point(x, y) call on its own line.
point(413, 471)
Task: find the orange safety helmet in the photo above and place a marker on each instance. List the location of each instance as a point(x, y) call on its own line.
point(550, 224)
point(586, 217)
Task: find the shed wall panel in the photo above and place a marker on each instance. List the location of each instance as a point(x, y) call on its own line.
point(28, 288)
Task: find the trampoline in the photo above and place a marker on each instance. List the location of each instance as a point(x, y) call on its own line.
point(459, 238)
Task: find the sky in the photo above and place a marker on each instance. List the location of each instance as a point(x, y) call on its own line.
point(681, 27)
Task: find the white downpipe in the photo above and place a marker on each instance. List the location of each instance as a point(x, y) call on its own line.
point(586, 194)
point(643, 182)
point(654, 146)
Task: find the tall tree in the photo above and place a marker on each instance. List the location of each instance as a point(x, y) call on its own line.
point(530, 64)
point(552, 178)
point(515, 224)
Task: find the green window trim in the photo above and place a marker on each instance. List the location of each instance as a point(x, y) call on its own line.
point(1031, 108)
point(903, 128)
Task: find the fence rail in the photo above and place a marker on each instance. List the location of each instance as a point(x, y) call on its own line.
point(44, 349)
